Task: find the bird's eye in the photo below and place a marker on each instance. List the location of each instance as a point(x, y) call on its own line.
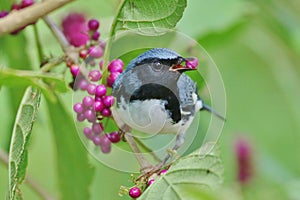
point(157, 66)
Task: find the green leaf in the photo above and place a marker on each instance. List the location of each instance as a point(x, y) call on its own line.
point(47, 82)
point(152, 17)
point(20, 138)
point(74, 172)
point(202, 169)
point(12, 77)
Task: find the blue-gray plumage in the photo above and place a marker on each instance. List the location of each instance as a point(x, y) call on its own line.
point(154, 96)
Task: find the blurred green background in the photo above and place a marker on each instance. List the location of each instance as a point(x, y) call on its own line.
point(256, 46)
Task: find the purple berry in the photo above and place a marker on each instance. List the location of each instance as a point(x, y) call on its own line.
point(26, 3)
point(114, 137)
point(116, 66)
point(3, 13)
point(192, 63)
point(105, 149)
point(91, 89)
point(80, 117)
point(106, 112)
point(95, 75)
point(102, 44)
point(105, 140)
point(78, 108)
point(163, 172)
point(100, 90)
point(96, 51)
point(74, 70)
point(90, 115)
point(97, 140)
point(108, 101)
point(15, 7)
point(97, 98)
point(105, 144)
point(75, 29)
point(98, 105)
point(93, 24)
point(88, 101)
point(112, 78)
point(96, 35)
point(88, 132)
point(97, 128)
point(83, 84)
point(135, 192)
point(83, 53)
point(150, 182)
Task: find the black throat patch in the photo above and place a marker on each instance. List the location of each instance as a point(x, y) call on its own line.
point(159, 92)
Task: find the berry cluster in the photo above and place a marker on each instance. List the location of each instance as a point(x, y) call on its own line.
point(18, 6)
point(96, 105)
point(141, 185)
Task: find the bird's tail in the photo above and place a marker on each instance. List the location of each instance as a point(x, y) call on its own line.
point(209, 109)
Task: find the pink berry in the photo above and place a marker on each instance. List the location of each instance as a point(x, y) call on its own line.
point(78, 108)
point(163, 172)
point(106, 112)
point(26, 3)
point(116, 66)
point(105, 144)
point(90, 115)
point(97, 128)
point(96, 51)
point(97, 98)
point(74, 70)
point(88, 132)
point(97, 140)
point(91, 89)
point(100, 90)
point(80, 117)
point(3, 13)
point(88, 101)
point(96, 35)
point(105, 149)
point(192, 63)
point(93, 24)
point(112, 78)
point(95, 75)
point(102, 44)
point(114, 137)
point(83, 53)
point(98, 106)
point(75, 29)
point(15, 7)
point(150, 182)
point(108, 101)
point(83, 84)
point(135, 192)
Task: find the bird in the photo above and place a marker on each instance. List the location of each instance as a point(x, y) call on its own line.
point(154, 96)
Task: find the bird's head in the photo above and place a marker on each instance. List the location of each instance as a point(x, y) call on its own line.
point(161, 59)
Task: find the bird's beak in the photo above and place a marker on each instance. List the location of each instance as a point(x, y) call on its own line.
point(178, 67)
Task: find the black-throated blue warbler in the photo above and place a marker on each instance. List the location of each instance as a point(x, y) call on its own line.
point(155, 96)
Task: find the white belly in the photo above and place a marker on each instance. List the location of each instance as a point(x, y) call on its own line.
point(150, 117)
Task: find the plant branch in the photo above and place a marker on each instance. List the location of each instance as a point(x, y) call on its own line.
point(143, 162)
point(38, 43)
point(145, 165)
point(110, 40)
point(32, 183)
point(69, 50)
point(20, 18)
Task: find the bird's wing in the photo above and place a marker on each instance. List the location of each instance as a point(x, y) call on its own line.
point(188, 94)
